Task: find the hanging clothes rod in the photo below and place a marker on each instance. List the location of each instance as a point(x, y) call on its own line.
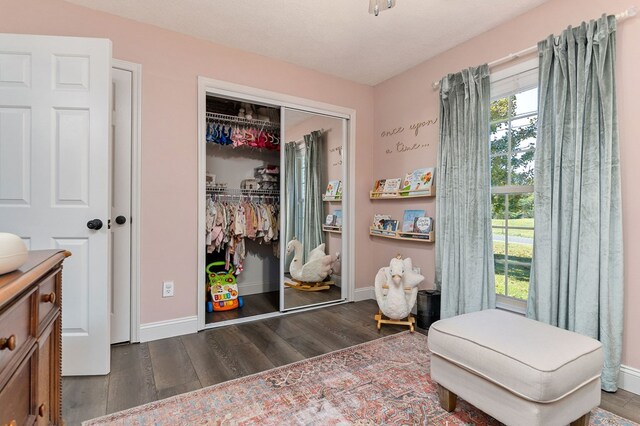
point(214, 116)
point(620, 17)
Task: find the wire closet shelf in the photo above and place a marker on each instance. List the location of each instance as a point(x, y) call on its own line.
point(230, 119)
point(242, 193)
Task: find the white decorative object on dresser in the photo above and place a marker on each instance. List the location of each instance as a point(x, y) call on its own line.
point(13, 252)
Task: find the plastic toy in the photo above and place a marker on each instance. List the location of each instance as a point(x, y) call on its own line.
point(223, 289)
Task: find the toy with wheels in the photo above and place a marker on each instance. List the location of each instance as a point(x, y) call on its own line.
point(223, 289)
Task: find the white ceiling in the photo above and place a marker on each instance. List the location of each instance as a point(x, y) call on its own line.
point(337, 37)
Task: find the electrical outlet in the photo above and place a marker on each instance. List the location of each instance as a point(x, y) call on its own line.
point(167, 289)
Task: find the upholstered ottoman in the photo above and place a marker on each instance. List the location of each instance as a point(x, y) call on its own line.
point(520, 371)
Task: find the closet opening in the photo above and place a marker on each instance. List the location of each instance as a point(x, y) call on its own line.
point(276, 191)
point(242, 181)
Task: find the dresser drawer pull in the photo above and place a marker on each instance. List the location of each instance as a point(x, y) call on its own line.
point(42, 410)
point(9, 343)
point(49, 298)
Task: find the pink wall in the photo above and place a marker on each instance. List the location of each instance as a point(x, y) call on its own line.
point(171, 63)
point(409, 98)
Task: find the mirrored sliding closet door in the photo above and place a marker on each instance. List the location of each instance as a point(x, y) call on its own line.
point(313, 211)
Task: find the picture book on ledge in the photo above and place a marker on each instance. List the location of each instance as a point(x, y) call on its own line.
point(334, 189)
point(389, 227)
point(378, 223)
point(391, 187)
point(417, 182)
point(409, 218)
point(338, 218)
point(378, 188)
point(423, 225)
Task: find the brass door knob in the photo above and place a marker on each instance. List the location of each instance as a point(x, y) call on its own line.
point(8, 343)
point(42, 410)
point(49, 298)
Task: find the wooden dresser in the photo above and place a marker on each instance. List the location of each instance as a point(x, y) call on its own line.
point(30, 341)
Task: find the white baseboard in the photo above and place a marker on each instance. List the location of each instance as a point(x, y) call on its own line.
point(364, 293)
point(163, 329)
point(629, 379)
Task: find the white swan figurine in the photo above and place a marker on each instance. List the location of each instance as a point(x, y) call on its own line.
point(396, 303)
point(315, 270)
point(317, 252)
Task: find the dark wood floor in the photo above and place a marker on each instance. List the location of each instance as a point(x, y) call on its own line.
point(295, 298)
point(266, 303)
point(254, 304)
point(147, 372)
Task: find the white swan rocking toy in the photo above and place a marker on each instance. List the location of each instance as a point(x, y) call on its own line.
point(311, 275)
point(396, 288)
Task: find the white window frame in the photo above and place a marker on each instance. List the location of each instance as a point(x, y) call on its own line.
point(518, 78)
point(300, 172)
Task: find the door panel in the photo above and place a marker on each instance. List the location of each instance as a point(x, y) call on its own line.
point(313, 225)
point(71, 72)
point(15, 155)
point(70, 174)
point(76, 290)
point(15, 69)
point(121, 232)
point(55, 174)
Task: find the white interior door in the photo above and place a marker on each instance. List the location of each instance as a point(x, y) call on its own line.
point(121, 205)
point(54, 175)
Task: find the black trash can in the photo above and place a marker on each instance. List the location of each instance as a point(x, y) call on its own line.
point(428, 308)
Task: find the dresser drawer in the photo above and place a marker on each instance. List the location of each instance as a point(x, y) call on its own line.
point(16, 333)
point(48, 297)
point(16, 397)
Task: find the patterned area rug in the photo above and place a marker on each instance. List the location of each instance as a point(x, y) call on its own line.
point(385, 381)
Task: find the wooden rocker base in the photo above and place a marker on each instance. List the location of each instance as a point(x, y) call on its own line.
point(410, 321)
point(304, 286)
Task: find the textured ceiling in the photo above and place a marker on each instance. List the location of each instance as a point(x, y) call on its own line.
point(338, 37)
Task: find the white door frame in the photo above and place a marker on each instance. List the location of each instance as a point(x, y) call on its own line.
point(251, 94)
point(136, 157)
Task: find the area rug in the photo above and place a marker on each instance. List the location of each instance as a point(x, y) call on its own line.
point(382, 382)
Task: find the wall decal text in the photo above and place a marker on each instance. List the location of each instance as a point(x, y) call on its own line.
point(337, 149)
point(396, 131)
point(402, 146)
point(418, 125)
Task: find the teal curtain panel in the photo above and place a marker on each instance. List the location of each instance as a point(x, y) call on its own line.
point(313, 209)
point(577, 276)
point(464, 251)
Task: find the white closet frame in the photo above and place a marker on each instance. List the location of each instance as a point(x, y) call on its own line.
point(224, 89)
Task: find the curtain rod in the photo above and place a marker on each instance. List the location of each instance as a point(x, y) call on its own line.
point(299, 141)
point(620, 17)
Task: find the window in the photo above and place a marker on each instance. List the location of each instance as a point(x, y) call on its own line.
point(299, 190)
point(514, 114)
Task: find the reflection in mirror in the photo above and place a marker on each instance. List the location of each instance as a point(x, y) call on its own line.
point(312, 208)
